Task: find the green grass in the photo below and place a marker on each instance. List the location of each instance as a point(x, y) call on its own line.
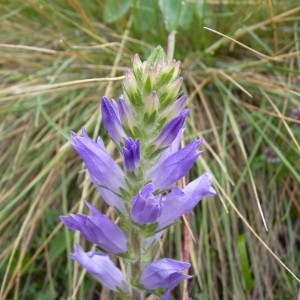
point(58, 58)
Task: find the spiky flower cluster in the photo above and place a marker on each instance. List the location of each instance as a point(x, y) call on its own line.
point(146, 125)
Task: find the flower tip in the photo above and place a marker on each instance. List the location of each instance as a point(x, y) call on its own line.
point(77, 250)
point(182, 98)
point(83, 132)
point(73, 135)
point(137, 60)
point(62, 218)
point(184, 113)
point(89, 205)
point(104, 102)
point(212, 192)
point(200, 141)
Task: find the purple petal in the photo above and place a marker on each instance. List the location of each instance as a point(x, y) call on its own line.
point(173, 147)
point(167, 295)
point(174, 167)
point(98, 229)
point(171, 130)
point(146, 207)
point(104, 171)
point(178, 105)
point(111, 120)
point(125, 112)
point(175, 108)
point(132, 154)
point(112, 199)
point(164, 273)
point(102, 267)
point(177, 204)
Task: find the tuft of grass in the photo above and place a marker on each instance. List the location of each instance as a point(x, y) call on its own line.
point(58, 58)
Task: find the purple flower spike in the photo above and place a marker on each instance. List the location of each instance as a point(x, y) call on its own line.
point(171, 130)
point(132, 154)
point(98, 229)
point(102, 267)
point(99, 164)
point(164, 273)
point(174, 167)
point(111, 120)
point(146, 207)
point(177, 203)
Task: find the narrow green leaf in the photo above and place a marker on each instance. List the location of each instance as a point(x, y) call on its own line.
point(244, 262)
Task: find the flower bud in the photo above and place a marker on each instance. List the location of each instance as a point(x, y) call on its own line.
point(131, 88)
point(164, 273)
point(157, 60)
point(132, 154)
point(169, 73)
point(102, 267)
point(111, 120)
point(174, 109)
point(138, 67)
point(152, 104)
point(175, 166)
point(125, 112)
point(146, 207)
point(170, 92)
point(170, 131)
point(149, 82)
point(98, 229)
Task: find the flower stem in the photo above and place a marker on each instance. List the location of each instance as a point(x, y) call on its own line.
point(171, 45)
point(136, 266)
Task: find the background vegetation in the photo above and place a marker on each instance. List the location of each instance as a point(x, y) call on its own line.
point(57, 58)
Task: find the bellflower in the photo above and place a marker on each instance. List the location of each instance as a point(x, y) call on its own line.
point(132, 156)
point(102, 267)
point(99, 163)
point(98, 229)
point(170, 131)
point(179, 202)
point(164, 273)
point(146, 207)
point(174, 167)
point(111, 120)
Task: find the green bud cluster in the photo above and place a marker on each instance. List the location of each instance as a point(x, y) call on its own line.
point(150, 87)
point(156, 75)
